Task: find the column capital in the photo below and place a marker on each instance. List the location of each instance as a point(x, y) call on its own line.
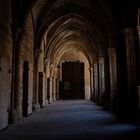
point(95, 64)
point(52, 66)
point(101, 59)
point(130, 32)
point(47, 60)
point(90, 69)
point(111, 49)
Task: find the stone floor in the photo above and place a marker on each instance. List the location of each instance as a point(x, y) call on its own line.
point(71, 120)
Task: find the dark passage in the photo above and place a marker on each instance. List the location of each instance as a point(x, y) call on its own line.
point(71, 120)
point(72, 80)
point(25, 89)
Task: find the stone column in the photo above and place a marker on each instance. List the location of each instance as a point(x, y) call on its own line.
point(44, 89)
point(51, 94)
point(101, 79)
point(49, 83)
point(96, 88)
point(54, 88)
point(113, 74)
point(130, 56)
point(138, 29)
point(35, 105)
point(52, 83)
point(131, 60)
point(55, 83)
point(91, 83)
point(45, 83)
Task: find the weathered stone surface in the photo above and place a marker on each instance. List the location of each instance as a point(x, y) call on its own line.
point(25, 54)
point(46, 33)
point(5, 60)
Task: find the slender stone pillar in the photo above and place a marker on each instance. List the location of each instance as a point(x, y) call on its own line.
point(138, 29)
point(91, 83)
point(45, 83)
point(131, 73)
point(101, 79)
point(51, 91)
point(113, 76)
point(55, 83)
point(52, 86)
point(35, 104)
point(48, 72)
point(131, 57)
point(96, 88)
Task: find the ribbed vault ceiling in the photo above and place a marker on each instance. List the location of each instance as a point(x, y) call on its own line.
point(85, 24)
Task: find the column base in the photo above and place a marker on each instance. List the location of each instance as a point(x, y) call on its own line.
point(36, 107)
point(44, 103)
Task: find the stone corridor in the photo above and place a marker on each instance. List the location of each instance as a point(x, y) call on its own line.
point(71, 119)
point(53, 50)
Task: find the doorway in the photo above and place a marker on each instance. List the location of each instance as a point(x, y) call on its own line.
point(48, 90)
point(72, 80)
point(25, 89)
point(40, 89)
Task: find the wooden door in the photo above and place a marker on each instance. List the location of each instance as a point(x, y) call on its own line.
point(73, 80)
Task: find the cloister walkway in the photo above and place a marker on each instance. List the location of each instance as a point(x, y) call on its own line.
point(71, 120)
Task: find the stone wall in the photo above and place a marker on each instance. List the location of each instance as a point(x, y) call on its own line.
point(25, 54)
point(5, 60)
